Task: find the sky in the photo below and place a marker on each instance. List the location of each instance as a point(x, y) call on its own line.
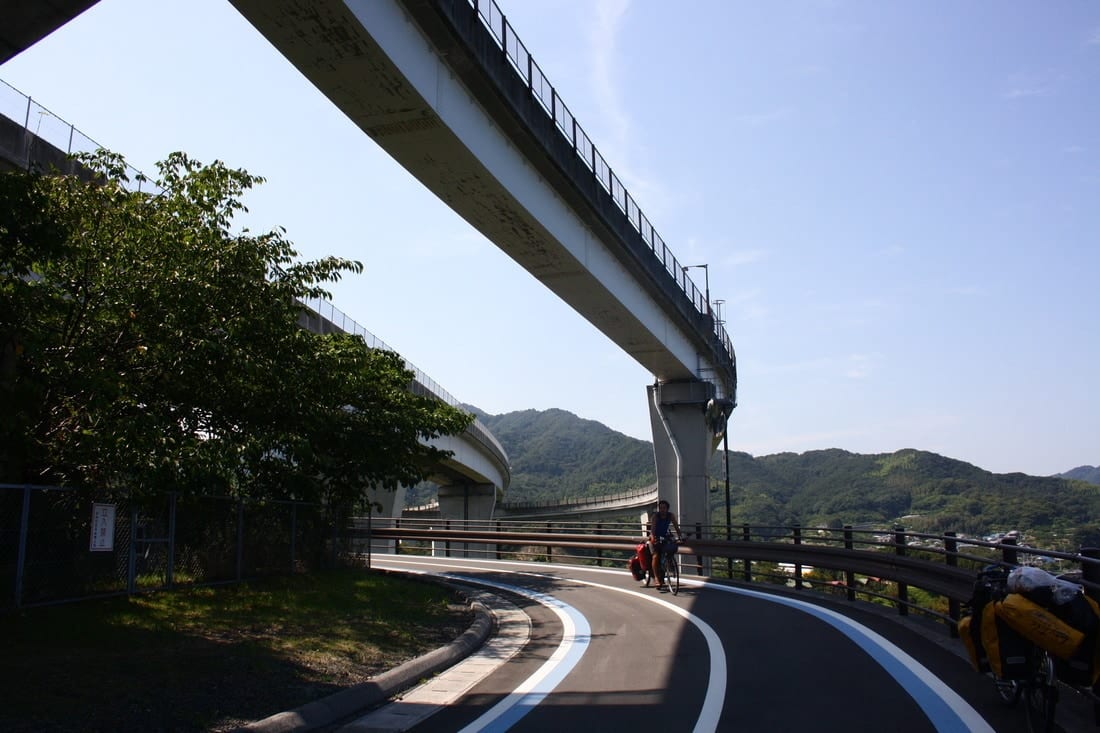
point(898, 203)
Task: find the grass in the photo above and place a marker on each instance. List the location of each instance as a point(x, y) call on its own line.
point(211, 659)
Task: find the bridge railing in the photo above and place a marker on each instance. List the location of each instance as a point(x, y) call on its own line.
point(343, 322)
point(581, 502)
point(929, 574)
point(43, 125)
point(566, 123)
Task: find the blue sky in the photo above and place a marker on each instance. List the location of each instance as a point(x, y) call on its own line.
point(898, 202)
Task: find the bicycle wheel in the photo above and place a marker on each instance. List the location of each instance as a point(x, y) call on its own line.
point(1041, 695)
point(672, 573)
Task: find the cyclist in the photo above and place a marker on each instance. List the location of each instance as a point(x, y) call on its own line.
point(661, 525)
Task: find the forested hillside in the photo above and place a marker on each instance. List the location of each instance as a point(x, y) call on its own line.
point(557, 455)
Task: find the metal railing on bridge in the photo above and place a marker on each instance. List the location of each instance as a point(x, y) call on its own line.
point(43, 126)
point(540, 88)
point(930, 574)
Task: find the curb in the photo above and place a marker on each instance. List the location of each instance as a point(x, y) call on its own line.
point(347, 703)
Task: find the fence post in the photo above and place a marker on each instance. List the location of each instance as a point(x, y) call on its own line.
point(131, 564)
point(903, 588)
point(294, 536)
point(370, 533)
point(498, 544)
point(849, 576)
point(171, 579)
point(698, 558)
point(1090, 571)
point(1008, 551)
point(24, 522)
point(796, 534)
point(746, 535)
point(599, 550)
point(549, 549)
point(951, 557)
point(240, 540)
point(447, 542)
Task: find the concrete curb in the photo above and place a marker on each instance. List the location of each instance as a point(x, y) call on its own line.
point(347, 703)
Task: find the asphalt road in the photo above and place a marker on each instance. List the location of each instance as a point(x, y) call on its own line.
point(607, 654)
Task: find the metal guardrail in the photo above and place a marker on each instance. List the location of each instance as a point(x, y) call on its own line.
point(586, 501)
point(876, 564)
point(46, 126)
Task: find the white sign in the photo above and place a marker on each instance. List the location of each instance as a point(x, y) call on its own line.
point(103, 528)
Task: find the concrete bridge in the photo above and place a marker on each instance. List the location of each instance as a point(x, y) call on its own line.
point(594, 508)
point(478, 466)
point(448, 89)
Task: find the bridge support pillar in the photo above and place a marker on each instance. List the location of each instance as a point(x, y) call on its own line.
point(466, 506)
point(683, 442)
point(385, 505)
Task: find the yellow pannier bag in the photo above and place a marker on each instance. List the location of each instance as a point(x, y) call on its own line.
point(973, 647)
point(1005, 650)
point(1038, 625)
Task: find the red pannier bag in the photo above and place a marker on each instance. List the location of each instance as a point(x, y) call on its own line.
point(640, 564)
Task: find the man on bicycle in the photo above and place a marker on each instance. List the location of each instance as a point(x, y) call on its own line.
point(661, 524)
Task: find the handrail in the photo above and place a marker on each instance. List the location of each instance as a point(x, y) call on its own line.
point(880, 554)
point(51, 129)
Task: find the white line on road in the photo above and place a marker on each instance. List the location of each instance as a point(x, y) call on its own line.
point(711, 711)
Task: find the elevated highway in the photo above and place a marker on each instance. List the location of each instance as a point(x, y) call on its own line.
point(450, 92)
point(478, 466)
point(611, 506)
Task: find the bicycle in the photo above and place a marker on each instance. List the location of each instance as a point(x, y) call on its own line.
point(1038, 688)
point(670, 567)
point(1027, 671)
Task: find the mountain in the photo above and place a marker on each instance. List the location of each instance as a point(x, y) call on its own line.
point(1091, 474)
point(558, 455)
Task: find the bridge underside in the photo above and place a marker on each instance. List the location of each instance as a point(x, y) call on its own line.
point(443, 111)
point(24, 23)
point(427, 104)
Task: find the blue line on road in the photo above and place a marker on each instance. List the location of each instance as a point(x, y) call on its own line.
point(576, 635)
point(947, 711)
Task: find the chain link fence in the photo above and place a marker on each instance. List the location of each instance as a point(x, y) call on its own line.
point(61, 544)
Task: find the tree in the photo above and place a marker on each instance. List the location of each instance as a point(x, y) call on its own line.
point(145, 346)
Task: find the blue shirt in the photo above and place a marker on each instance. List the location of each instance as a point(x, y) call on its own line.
point(661, 526)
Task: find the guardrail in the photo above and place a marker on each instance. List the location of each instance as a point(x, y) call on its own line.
point(585, 501)
point(41, 124)
point(929, 574)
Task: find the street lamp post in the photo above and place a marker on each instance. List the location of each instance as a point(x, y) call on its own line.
point(729, 522)
point(706, 280)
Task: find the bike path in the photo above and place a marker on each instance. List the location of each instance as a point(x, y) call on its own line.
point(646, 664)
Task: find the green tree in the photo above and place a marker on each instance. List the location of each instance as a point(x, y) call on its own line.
point(147, 346)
